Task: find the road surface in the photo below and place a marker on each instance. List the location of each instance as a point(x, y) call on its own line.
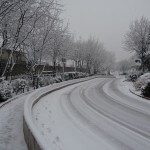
point(99, 114)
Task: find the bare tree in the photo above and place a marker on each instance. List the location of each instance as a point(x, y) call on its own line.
point(29, 21)
point(100, 59)
point(137, 39)
point(39, 41)
point(17, 28)
point(56, 44)
point(92, 55)
point(124, 66)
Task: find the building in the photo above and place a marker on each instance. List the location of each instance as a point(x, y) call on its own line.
point(19, 59)
point(18, 56)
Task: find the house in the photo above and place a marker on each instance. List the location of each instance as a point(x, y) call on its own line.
point(18, 56)
point(19, 59)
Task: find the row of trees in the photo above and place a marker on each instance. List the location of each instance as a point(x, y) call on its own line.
point(138, 40)
point(92, 54)
point(32, 26)
point(35, 27)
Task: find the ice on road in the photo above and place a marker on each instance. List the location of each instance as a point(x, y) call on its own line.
point(94, 115)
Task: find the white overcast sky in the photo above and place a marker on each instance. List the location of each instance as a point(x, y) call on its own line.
point(106, 20)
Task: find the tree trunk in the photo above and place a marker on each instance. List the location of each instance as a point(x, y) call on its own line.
point(142, 63)
point(54, 67)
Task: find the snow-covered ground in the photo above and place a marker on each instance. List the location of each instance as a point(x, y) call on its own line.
point(127, 86)
point(120, 91)
point(59, 129)
point(11, 125)
point(94, 115)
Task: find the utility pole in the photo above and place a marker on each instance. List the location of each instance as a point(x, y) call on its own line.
point(63, 66)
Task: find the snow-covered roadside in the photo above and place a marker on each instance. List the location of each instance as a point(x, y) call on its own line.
point(15, 97)
point(76, 117)
point(11, 124)
point(126, 86)
point(129, 87)
point(119, 90)
point(59, 128)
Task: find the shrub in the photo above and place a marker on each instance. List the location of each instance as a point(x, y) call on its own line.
point(146, 90)
point(47, 80)
point(139, 84)
point(1, 98)
point(19, 85)
point(5, 90)
point(142, 81)
point(58, 79)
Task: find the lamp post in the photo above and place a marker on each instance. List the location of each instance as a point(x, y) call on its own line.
point(76, 59)
point(63, 66)
point(147, 61)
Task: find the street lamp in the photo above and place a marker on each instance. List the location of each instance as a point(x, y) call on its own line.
point(63, 66)
point(76, 59)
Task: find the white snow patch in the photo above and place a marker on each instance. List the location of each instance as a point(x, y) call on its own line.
point(58, 131)
point(11, 125)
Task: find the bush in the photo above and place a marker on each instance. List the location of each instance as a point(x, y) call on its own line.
point(19, 85)
point(1, 98)
point(47, 80)
point(139, 84)
point(5, 90)
point(146, 90)
point(58, 79)
point(142, 81)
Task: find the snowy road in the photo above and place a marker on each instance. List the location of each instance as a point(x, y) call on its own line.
point(97, 114)
point(11, 125)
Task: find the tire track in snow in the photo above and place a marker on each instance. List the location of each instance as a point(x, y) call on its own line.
point(94, 113)
point(87, 120)
point(135, 131)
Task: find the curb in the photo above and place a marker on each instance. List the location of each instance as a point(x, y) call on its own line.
point(147, 98)
point(14, 98)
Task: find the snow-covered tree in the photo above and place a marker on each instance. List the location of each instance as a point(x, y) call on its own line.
point(124, 66)
point(28, 24)
point(138, 39)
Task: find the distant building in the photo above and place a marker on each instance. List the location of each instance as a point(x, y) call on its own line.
point(18, 56)
point(19, 59)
